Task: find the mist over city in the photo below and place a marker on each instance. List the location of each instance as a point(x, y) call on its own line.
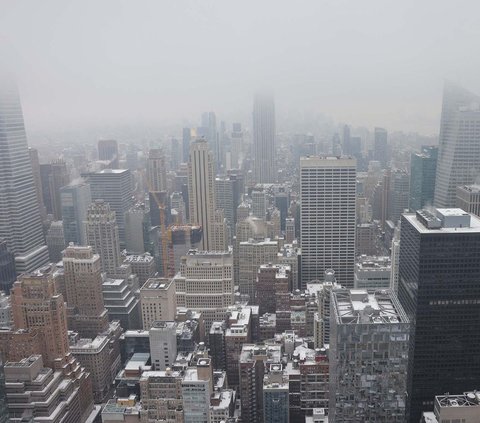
point(239, 212)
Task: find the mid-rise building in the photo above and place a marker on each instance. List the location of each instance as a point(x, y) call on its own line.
point(137, 226)
point(438, 288)
point(197, 388)
point(276, 394)
point(158, 301)
point(55, 241)
point(369, 342)
point(142, 265)
point(468, 198)
point(121, 303)
point(163, 344)
point(273, 287)
point(205, 284)
point(328, 218)
point(463, 408)
point(372, 272)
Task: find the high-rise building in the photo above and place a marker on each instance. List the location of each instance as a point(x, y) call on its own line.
point(53, 176)
point(201, 190)
point(224, 198)
point(380, 147)
point(468, 198)
point(264, 138)
point(197, 388)
point(439, 290)
point(108, 151)
point(458, 154)
point(74, 200)
point(399, 193)
point(37, 305)
point(205, 284)
point(83, 285)
point(7, 268)
point(369, 342)
point(259, 203)
point(55, 241)
point(237, 153)
point(114, 186)
point(37, 180)
point(423, 167)
point(121, 303)
point(20, 222)
point(276, 395)
point(137, 227)
point(102, 235)
point(220, 232)
point(156, 170)
point(328, 218)
point(273, 283)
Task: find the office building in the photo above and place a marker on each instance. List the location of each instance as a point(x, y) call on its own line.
point(186, 138)
point(108, 152)
point(163, 344)
point(137, 227)
point(259, 203)
point(276, 395)
point(142, 265)
point(20, 222)
point(156, 170)
point(369, 342)
point(201, 190)
point(458, 154)
point(122, 410)
point(74, 201)
point(103, 235)
point(264, 138)
point(205, 284)
point(399, 192)
point(221, 233)
point(372, 272)
point(37, 305)
point(114, 186)
point(55, 241)
point(121, 303)
point(157, 301)
point(380, 147)
point(225, 198)
point(83, 285)
point(251, 255)
point(197, 388)
point(37, 393)
point(273, 287)
point(438, 288)
point(7, 268)
point(423, 167)
point(328, 221)
point(468, 198)
point(180, 240)
point(37, 180)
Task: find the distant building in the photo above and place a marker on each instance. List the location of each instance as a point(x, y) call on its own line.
point(380, 147)
point(468, 198)
point(423, 167)
point(74, 201)
point(55, 241)
point(108, 152)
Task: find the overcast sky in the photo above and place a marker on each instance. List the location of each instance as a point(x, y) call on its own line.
point(364, 62)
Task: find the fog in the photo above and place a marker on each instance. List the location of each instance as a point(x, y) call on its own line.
point(368, 63)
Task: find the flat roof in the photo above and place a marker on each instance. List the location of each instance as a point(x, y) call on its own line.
point(419, 226)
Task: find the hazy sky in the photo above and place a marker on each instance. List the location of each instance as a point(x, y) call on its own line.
point(371, 63)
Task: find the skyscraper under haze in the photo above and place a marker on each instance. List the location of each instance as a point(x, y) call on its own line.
point(328, 218)
point(108, 151)
point(20, 223)
point(74, 200)
point(423, 167)
point(156, 170)
point(264, 135)
point(201, 190)
point(459, 152)
point(438, 287)
point(380, 146)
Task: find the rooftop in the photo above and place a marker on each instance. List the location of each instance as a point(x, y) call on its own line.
point(438, 221)
point(157, 283)
point(358, 306)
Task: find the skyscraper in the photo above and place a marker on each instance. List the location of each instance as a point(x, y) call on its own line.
point(328, 221)
point(423, 167)
point(53, 176)
point(115, 187)
point(74, 200)
point(186, 138)
point(438, 287)
point(380, 146)
point(201, 190)
point(264, 138)
point(458, 152)
point(102, 235)
point(156, 170)
point(20, 223)
point(7, 267)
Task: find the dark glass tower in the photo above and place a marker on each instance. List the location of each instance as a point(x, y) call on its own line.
point(423, 167)
point(439, 288)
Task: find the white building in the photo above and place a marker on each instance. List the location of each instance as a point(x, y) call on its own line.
point(163, 344)
point(157, 301)
point(327, 219)
point(372, 272)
